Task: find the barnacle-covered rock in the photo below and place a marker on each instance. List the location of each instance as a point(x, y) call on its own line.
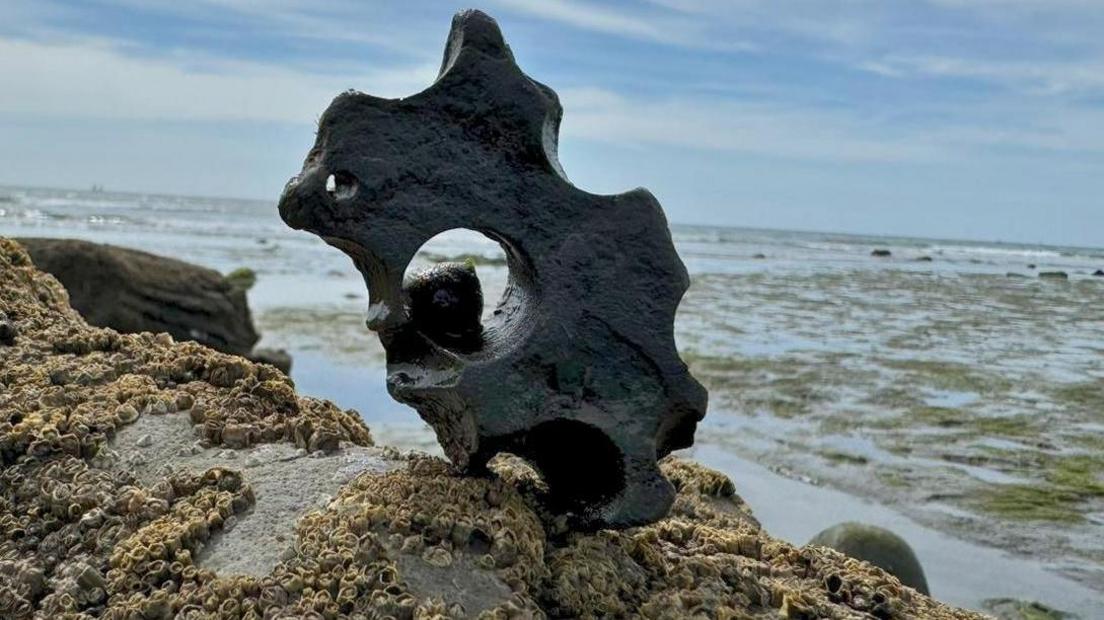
point(84, 537)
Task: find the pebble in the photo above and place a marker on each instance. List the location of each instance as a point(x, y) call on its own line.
point(144, 441)
point(8, 332)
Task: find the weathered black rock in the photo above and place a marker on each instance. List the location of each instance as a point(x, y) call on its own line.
point(880, 547)
point(881, 253)
point(577, 369)
point(132, 291)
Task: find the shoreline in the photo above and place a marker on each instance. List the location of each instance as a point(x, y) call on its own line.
point(996, 573)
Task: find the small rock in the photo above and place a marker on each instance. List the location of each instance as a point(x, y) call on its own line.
point(253, 461)
point(1099, 273)
point(759, 256)
point(8, 332)
point(1031, 265)
point(276, 357)
point(924, 259)
point(880, 547)
point(228, 455)
point(144, 441)
point(1054, 275)
point(300, 453)
point(1013, 274)
point(881, 253)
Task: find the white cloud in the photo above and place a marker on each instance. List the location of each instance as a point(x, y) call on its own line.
point(1035, 77)
point(639, 24)
point(771, 130)
point(94, 79)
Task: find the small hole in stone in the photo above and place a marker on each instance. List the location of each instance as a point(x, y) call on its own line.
point(341, 185)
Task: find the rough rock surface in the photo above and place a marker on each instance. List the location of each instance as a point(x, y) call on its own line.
point(132, 291)
point(109, 509)
point(581, 347)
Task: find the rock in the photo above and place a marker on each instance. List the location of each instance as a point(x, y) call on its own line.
point(759, 256)
point(132, 291)
point(1013, 274)
point(924, 259)
point(1012, 609)
point(881, 253)
point(1099, 273)
point(446, 304)
point(1054, 275)
point(580, 351)
point(8, 331)
point(242, 278)
point(880, 547)
point(188, 532)
point(1031, 265)
point(145, 441)
point(276, 357)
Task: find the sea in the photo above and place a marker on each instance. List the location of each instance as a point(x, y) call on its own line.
point(951, 391)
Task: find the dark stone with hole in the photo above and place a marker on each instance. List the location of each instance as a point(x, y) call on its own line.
point(576, 370)
point(880, 547)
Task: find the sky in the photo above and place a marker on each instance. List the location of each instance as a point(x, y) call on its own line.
point(976, 119)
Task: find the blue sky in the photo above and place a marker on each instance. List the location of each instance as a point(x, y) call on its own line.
point(979, 119)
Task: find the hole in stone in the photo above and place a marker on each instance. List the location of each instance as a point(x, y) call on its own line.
point(341, 185)
point(574, 455)
point(455, 284)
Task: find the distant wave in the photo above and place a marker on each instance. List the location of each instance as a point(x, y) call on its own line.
point(995, 251)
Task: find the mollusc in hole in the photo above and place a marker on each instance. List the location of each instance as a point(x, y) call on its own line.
point(454, 284)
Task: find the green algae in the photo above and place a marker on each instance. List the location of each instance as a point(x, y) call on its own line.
point(951, 376)
point(1087, 395)
point(1068, 482)
point(1012, 609)
point(840, 457)
point(466, 257)
point(242, 278)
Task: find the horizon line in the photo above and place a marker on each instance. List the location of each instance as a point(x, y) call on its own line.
point(885, 235)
